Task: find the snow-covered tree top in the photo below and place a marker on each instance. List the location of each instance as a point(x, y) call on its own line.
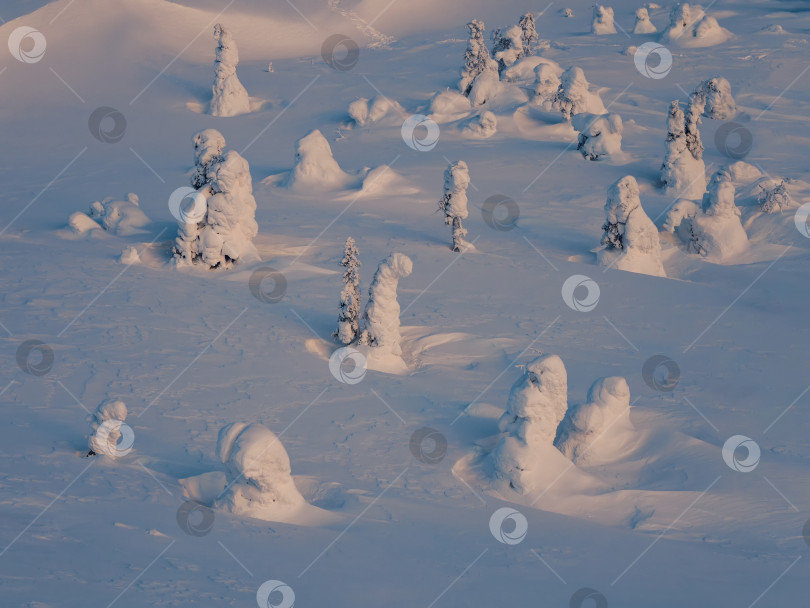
point(622, 198)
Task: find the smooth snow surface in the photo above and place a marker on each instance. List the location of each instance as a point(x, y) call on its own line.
point(384, 478)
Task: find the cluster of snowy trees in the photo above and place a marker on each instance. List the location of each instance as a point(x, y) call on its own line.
point(223, 232)
point(538, 420)
point(378, 327)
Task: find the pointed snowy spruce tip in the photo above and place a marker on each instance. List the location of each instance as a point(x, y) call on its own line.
point(683, 172)
point(605, 415)
point(111, 436)
point(537, 404)
point(454, 202)
point(230, 97)
point(629, 239)
point(257, 472)
point(382, 310)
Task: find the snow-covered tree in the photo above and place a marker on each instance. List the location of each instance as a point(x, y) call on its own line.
point(477, 59)
point(682, 174)
point(573, 95)
point(600, 136)
point(382, 309)
point(546, 84)
point(349, 316)
point(315, 167)
point(483, 125)
point(106, 424)
point(629, 237)
point(774, 196)
point(715, 94)
point(454, 202)
point(230, 97)
point(257, 472)
point(224, 234)
point(602, 20)
point(643, 24)
point(715, 230)
point(681, 17)
point(692, 122)
point(507, 46)
point(528, 35)
point(536, 406)
point(606, 415)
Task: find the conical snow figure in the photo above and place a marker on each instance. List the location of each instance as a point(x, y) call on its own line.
point(683, 174)
point(573, 95)
point(230, 97)
point(715, 94)
point(110, 437)
point(349, 317)
point(599, 430)
point(257, 472)
point(602, 21)
point(382, 310)
point(629, 239)
point(454, 201)
point(643, 24)
point(536, 406)
point(477, 59)
point(315, 167)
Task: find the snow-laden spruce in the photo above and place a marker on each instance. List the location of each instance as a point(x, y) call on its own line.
point(315, 167)
point(546, 85)
point(230, 97)
point(477, 59)
point(528, 36)
point(349, 317)
point(683, 172)
point(715, 230)
point(454, 202)
point(105, 424)
point(507, 46)
point(774, 196)
point(224, 234)
point(598, 431)
point(574, 96)
point(689, 26)
point(602, 20)
point(643, 24)
point(629, 237)
point(600, 136)
point(537, 404)
point(259, 483)
point(381, 317)
point(715, 95)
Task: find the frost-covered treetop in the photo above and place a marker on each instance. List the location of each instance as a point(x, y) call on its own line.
point(545, 380)
point(208, 146)
point(226, 53)
point(622, 198)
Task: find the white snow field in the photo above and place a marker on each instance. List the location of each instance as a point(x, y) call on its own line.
point(353, 477)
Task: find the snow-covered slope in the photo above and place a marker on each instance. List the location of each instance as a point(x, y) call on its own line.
point(399, 506)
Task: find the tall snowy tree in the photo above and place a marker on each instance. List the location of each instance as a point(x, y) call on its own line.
point(477, 59)
point(454, 202)
point(382, 309)
point(629, 237)
point(508, 46)
point(537, 405)
point(529, 35)
point(692, 121)
point(572, 95)
point(349, 316)
point(230, 97)
point(225, 233)
point(682, 173)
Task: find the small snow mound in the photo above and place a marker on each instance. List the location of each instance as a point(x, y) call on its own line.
point(81, 225)
point(123, 218)
point(742, 172)
point(384, 181)
point(774, 28)
point(596, 432)
point(600, 136)
point(106, 423)
point(482, 126)
point(130, 256)
point(257, 471)
point(315, 167)
point(448, 106)
point(525, 70)
point(364, 112)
